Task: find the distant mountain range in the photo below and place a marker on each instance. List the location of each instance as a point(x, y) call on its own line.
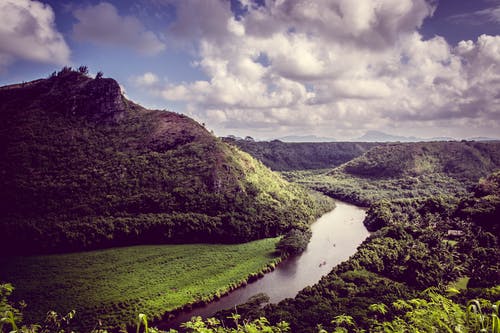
point(370, 136)
point(483, 138)
point(377, 136)
point(307, 138)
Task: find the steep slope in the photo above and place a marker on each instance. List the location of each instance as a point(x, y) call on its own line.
point(82, 167)
point(286, 156)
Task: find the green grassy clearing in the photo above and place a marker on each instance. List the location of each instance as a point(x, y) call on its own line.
point(461, 283)
point(114, 285)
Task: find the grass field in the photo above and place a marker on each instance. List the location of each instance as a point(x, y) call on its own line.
point(114, 285)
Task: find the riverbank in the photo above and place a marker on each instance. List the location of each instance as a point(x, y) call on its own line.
point(112, 286)
point(335, 237)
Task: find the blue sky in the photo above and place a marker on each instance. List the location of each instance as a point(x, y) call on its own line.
point(335, 68)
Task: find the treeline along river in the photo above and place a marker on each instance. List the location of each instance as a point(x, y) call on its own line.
point(335, 237)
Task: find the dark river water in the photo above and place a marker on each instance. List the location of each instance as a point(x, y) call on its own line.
point(335, 237)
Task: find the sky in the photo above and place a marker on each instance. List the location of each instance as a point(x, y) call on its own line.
point(275, 68)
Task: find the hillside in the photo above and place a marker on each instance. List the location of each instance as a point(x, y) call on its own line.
point(461, 160)
point(406, 170)
point(82, 167)
point(286, 156)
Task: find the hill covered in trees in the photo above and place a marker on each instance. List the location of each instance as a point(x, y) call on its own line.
point(466, 160)
point(83, 167)
point(286, 156)
point(406, 170)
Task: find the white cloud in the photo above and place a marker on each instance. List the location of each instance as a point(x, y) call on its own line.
point(302, 66)
point(199, 18)
point(147, 79)
point(101, 24)
point(28, 31)
point(491, 14)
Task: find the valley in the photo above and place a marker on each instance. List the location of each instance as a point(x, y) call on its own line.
point(114, 284)
point(114, 210)
point(335, 237)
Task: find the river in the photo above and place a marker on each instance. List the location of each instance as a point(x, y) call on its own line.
point(335, 237)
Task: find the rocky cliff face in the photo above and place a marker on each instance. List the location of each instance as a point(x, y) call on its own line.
point(100, 99)
point(71, 93)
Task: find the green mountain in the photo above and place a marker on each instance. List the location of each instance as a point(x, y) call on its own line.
point(286, 156)
point(82, 167)
point(406, 170)
point(460, 160)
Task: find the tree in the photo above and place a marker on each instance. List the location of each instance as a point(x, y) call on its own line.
point(83, 70)
point(294, 242)
point(64, 70)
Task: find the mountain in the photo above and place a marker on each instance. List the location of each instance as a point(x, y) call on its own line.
point(286, 156)
point(377, 136)
point(82, 167)
point(460, 160)
point(408, 170)
point(483, 138)
point(306, 138)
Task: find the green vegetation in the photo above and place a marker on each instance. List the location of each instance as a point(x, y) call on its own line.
point(365, 191)
point(431, 312)
point(77, 175)
point(461, 283)
point(84, 168)
point(114, 285)
point(466, 160)
point(286, 156)
point(409, 251)
point(294, 242)
point(437, 313)
point(405, 170)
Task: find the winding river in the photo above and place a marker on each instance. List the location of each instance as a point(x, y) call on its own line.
point(335, 237)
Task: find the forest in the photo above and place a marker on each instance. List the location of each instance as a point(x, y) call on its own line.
point(286, 156)
point(76, 177)
point(79, 176)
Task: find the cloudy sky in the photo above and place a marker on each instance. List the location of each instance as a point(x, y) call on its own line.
point(272, 68)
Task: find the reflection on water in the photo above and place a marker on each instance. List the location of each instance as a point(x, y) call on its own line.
point(335, 237)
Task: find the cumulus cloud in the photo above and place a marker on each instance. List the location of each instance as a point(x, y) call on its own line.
point(28, 32)
point(297, 65)
point(102, 24)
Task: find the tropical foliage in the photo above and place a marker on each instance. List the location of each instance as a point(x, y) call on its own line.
point(287, 156)
point(83, 168)
point(405, 170)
